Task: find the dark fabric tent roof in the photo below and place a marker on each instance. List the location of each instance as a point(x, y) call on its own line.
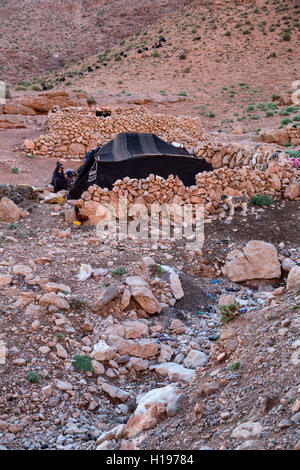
point(136, 156)
point(132, 145)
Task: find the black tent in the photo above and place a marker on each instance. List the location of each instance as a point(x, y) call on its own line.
point(136, 155)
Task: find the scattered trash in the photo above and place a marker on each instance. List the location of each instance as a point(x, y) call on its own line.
point(85, 272)
point(53, 198)
point(243, 310)
point(214, 337)
point(216, 281)
point(163, 337)
point(210, 295)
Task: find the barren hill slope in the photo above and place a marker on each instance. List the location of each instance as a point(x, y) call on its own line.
point(221, 60)
point(42, 35)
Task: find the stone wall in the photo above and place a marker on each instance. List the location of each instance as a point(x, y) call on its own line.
point(234, 155)
point(279, 180)
point(71, 132)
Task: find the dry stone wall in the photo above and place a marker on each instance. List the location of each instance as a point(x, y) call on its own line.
point(279, 180)
point(71, 132)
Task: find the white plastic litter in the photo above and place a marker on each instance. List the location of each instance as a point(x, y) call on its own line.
point(85, 273)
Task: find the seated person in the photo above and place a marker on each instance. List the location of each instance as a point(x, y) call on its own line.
point(58, 178)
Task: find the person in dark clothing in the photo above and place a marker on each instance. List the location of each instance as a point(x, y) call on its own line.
point(58, 178)
point(70, 178)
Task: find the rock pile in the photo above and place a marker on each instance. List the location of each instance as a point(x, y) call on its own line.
point(41, 103)
point(234, 155)
point(286, 135)
point(71, 132)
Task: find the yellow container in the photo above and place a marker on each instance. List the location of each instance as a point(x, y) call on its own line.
point(76, 223)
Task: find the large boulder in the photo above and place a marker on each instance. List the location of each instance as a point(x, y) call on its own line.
point(277, 136)
point(142, 293)
point(144, 348)
point(9, 211)
point(292, 190)
point(16, 108)
point(43, 102)
point(175, 372)
point(258, 260)
point(151, 406)
point(293, 280)
point(110, 293)
point(103, 352)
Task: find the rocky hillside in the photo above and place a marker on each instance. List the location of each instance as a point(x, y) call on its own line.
point(221, 61)
point(143, 344)
point(43, 35)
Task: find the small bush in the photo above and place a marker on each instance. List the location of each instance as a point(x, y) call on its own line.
point(82, 363)
point(119, 271)
point(15, 170)
point(234, 366)
point(228, 312)
point(275, 97)
point(33, 377)
point(182, 56)
point(261, 200)
point(91, 100)
point(293, 153)
point(286, 37)
point(285, 121)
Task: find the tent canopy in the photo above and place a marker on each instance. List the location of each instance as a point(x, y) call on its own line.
point(136, 156)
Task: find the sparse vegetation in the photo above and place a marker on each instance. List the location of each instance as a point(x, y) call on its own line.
point(33, 377)
point(261, 200)
point(228, 312)
point(82, 363)
point(119, 271)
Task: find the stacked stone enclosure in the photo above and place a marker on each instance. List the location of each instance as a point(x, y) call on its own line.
point(237, 168)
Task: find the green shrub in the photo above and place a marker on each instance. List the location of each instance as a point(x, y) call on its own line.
point(158, 268)
point(261, 200)
point(119, 271)
point(286, 37)
point(35, 88)
point(234, 366)
point(293, 153)
point(33, 377)
point(182, 56)
point(155, 53)
point(91, 100)
point(15, 170)
point(275, 97)
point(261, 106)
point(82, 363)
point(227, 312)
point(285, 121)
